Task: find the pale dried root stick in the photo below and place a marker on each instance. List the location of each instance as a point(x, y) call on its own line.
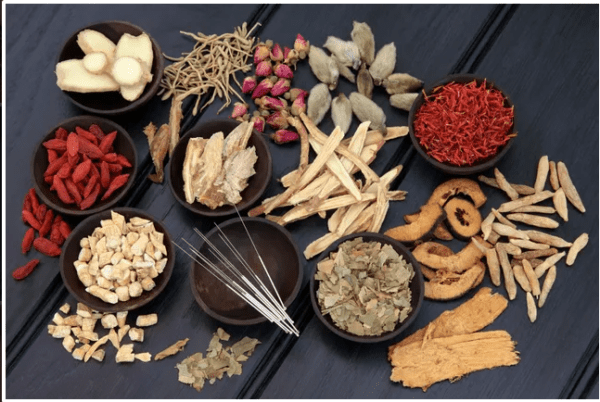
point(521, 278)
point(505, 185)
point(534, 220)
point(540, 209)
point(493, 266)
point(560, 204)
point(531, 309)
point(577, 246)
point(542, 174)
point(528, 244)
point(548, 282)
point(553, 176)
point(522, 189)
point(552, 241)
point(486, 225)
point(502, 219)
point(569, 187)
point(548, 262)
point(529, 255)
point(509, 278)
point(505, 230)
point(529, 200)
point(534, 282)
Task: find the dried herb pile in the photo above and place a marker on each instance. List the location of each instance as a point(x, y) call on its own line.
point(364, 287)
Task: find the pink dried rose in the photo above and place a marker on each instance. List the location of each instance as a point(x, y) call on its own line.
point(280, 87)
point(249, 84)
point(262, 89)
point(284, 136)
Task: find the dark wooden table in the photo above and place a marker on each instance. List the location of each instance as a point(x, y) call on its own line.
point(544, 57)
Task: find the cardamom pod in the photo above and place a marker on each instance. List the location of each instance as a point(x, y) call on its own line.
point(364, 82)
point(344, 70)
point(323, 67)
point(384, 63)
point(367, 110)
point(365, 41)
point(346, 51)
point(318, 103)
point(401, 83)
point(403, 101)
point(341, 112)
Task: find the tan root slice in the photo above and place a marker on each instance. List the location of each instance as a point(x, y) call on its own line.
point(525, 201)
point(534, 282)
point(509, 278)
point(505, 185)
point(458, 262)
point(534, 220)
point(158, 144)
point(171, 350)
point(175, 117)
point(493, 266)
point(548, 262)
point(539, 209)
point(545, 238)
point(542, 174)
point(502, 219)
point(548, 283)
point(420, 365)
point(553, 176)
point(577, 246)
point(560, 203)
point(521, 278)
point(568, 187)
point(454, 288)
point(531, 309)
point(522, 189)
point(528, 244)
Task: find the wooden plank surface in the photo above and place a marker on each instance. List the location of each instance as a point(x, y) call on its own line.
point(546, 85)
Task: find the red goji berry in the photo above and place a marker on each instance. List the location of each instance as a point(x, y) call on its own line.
point(94, 170)
point(61, 134)
point(72, 144)
point(61, 191)
point(90, 186)
point(35, 203)
point(107, 142)
point(90, 199)
point(97, 131)
point(30, 219)
point(56, 144)
point(89, 149)
point(24, 271)
point(49, 180)
point(46, 247)
point(64, 171)
point(87, 135)
point(116, 183)
point(104, 174)
point(123, 161)
point(52, 155)
point(55, 235)
point(47, 225)
point(40, 213)
point(73, 190)
point(115, 169)
point(110, 157)
point(56, 164)
point(27, 203)
point(81, 171)
point(64, 228)
point(80, 187)
point(73, 160)
point(27, 240)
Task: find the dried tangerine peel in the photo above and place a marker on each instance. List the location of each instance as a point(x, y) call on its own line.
point(429, 217)
point(458, 262)
point(452, 187)
point(456, 286)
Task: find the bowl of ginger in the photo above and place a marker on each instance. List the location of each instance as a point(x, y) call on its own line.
point(109, 68)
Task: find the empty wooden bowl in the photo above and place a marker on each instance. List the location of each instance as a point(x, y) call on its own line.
point(70, 254)
point(112, 103)
point(257, 184)
point(416, 287)
point(123, 144)
point(276, 248)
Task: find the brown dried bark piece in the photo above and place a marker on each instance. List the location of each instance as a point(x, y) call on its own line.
point(158, 145)
point(172, 350)
point(421, 365)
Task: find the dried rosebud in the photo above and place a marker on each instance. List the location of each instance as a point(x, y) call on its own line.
point(283, 71)
point(264, 68)
point(262, 89)
point(239, 110)
point(286, 52)
point(296, 92)
point(259, 124)
point(301, 46)
point(278, 120)
point(248, 84)
point(280, 87)
point(261, 53)
point(267, 102)
point(299, 104)
point(284, 136)
point(277, 53)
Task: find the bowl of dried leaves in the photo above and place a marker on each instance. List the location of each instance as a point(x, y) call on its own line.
point(117, 260)
point(110, 68)
point(463, 124)
point(84, 165)
point(219, 166)
point(366, 287)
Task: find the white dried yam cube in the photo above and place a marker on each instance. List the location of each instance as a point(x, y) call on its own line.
point(147, 229)
point(125, 354)
point(106, 222)
point(76, 332)
point(161, 264)
point(122, 292)
point(65, 308)
point(136, 334)
point(139, 247)
point(118, 220)
point(132, 237)
point(116, 258)
point(157, 255)
point(104, 283)
point(137, 221)
point(68, 343)
point(101, 245)
point(84, 311)
point(79, 353)
point(122, 332)
point(109, 321)
point(60, 331)
point(149, 249)
point(88, 324)
point(113, 243)
point(58, 319)
point(157, 240)
point(121, 317)
point(144, 357)
point(148, 284)
point(93, 266)
point(103, 293)
point(71, 320)
point(104, 258)
point(135, 289)
point(89, 335)
point(107, 272)
point(146, 320)
point(93, 241)
point(85, 254)
point(153, 272)
point(98, 355)
point(84, 242)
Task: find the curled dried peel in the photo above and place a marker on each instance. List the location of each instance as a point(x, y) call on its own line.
point(458, 262)
point(449, 287)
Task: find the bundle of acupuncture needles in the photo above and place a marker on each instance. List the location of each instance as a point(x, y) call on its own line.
point(243, 282)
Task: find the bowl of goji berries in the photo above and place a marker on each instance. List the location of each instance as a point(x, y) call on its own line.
point(84, 165)
point(463, 124)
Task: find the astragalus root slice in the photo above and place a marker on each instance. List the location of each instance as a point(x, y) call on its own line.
point(568, 186)
point(420, 365)
point(534, 220)
point(577, 246)
point(529, 200)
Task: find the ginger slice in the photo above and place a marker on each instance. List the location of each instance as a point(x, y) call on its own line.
point(91, 41)
point(71, 75)
point(423, 364)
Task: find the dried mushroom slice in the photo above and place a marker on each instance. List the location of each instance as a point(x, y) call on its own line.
point(452, 187)
point(464, 220)
point(429, 217)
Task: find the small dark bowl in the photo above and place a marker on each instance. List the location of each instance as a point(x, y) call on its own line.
point(123, 144)
point(70, 253)
point(445, 167)
point(416, 288)
point(112, 103)
point(257, 184)
point(279, 253)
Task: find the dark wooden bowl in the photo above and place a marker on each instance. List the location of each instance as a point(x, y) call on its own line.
point(279, 253)
point(70, 253)
point(416, 288)
point(123, 144)
point(257, 184)
point(112, 103)
point(445, 167)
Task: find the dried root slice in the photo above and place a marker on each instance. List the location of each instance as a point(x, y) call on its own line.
point(71, 75)
point(505, 230)
point(521, 278)
point(95, 62)
point(522, 189)
point(421, 365)
point(531, 309)
point(525, 201)
point(452, 187)
point(464, 219)
point(486, 225)
point(577, 246)
point(509, 248)
point(505, 185)
point(450, 287)
point(502, 219)
point(539, 209)
point(548, 283)
point(429, 217)
point(569, 187)
point(458, 262)
point(528, 244)
point(172, 350)
point(509, 278)
point(440, 231)
point(91, 41)
point(545, 238)
point(146, 320)
point(548, 262)
point(534, 282)
point(534, 220)
point(493, 266)
point(553, 176)
point(560, 203)
point(542, 174)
